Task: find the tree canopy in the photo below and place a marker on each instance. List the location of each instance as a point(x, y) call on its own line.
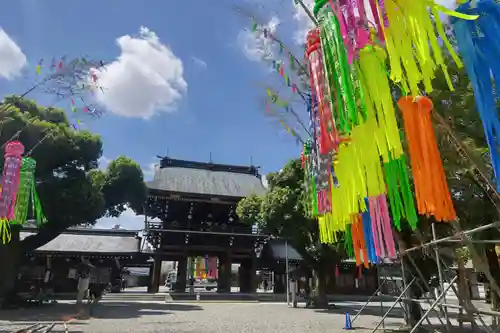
point(71, 188)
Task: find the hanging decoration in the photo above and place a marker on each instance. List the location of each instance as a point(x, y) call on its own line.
point(431, 188)
point(348, 56)
point(290, 61)
point(10, 186)
point(27, 195)
point(478, 45)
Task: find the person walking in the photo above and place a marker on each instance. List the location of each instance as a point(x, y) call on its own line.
point(83, 271)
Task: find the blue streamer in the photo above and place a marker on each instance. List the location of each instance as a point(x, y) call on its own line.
point(367, 231)
point(479, 45)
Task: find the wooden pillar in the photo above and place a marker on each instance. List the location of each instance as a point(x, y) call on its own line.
point(224, 281)
point(156, 275)
point(253, 274)
point(180, 284)
point(150, 284)
point(247, 276)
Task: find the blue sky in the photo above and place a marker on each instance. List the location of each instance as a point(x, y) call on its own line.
point(184, 77)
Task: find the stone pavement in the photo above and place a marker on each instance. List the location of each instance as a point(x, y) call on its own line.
point(151, 316)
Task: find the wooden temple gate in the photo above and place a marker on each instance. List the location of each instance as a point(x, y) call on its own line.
point(191, 212)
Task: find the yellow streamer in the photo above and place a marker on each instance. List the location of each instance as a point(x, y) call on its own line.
point(5, 231)
point(360, 175)
point(378, 100)
point(411, 42)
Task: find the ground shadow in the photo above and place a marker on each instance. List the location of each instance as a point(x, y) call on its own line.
point(79, 314)
point(376, 310)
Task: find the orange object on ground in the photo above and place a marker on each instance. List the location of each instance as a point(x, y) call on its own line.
point(431, 188)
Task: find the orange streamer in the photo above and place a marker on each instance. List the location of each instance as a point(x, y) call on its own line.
point(431, 188)
point(358, 241)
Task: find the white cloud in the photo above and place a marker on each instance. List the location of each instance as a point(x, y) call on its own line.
point(12, 58)
point(127, 220)
point(146, 78)
point(255, 45)
point(103, 162)
point(149, 170)
point(265, 183)
point(452, 4)
point(304, 23)
point(199, 62)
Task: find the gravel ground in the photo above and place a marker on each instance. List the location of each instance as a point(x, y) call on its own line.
point(149, 317)
point(138, 317)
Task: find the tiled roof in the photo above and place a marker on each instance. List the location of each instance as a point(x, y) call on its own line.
point(206, 179)
point(276, 249)
point(91, 241)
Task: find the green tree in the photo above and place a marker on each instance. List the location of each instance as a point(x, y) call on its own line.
point(71, 188)
point(465, 158)
point(282, 214)
point(469, 170)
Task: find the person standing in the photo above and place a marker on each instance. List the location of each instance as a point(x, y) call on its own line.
point(83, 272)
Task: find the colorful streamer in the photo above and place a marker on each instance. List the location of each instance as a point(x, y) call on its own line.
point(478, 43)
point(10, 186)
point(431, 189)
point(27, 194)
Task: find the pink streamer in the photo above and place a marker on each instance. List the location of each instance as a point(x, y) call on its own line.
point(375, 233)
point(376, 219)
point(10, 178)
point(381, 227)
point(354, 25)
point(386, 226)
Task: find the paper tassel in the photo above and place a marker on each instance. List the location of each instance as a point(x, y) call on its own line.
point(329, 138)
point(26, 190)
point(478, 42)
point(431, 189)
point(348, 242)
point(353, 25)
point(369, 240)
point(346, 114)
point(379, 104)
point(412, 44)
point(358, 241)
point(10, 186)
point(399, 192)
point(381, 227)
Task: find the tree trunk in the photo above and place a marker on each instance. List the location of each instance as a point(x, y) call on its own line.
point(12, 255)
point(414, 292)
point(492, 258)
point(321, 297)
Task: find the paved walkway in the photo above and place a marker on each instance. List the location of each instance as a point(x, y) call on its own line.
point(151, 317)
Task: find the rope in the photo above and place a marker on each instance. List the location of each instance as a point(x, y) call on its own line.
point(39, 143)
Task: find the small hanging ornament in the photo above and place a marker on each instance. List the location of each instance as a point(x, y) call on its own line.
point(431, 189)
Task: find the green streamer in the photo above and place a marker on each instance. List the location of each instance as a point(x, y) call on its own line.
point(348, 246)
point(399, 192)
point(26, 192)
point(341, 74)
point(333, 83)
point(26, 183)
